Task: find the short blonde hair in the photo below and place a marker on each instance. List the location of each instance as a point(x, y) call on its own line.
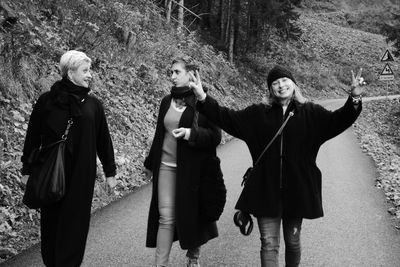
point(71, 60)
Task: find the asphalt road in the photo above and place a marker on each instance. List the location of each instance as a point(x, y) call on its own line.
point(356, 229)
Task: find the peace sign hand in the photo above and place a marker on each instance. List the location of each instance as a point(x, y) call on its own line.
point(356, 83)
point(196, 86)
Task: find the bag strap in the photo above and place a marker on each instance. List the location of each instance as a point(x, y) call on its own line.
point(65, 135)
point(273, 139)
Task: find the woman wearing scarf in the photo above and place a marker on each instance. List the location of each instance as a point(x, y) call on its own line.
point(285, 187)
point(184, 142)
point(64, 225)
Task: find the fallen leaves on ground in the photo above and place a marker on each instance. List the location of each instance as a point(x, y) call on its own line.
point(378, 129)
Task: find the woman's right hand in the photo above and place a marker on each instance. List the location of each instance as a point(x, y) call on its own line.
point(196, 86)
point(148, 173)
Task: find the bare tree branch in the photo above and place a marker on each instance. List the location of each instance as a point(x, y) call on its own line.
point(194, 14)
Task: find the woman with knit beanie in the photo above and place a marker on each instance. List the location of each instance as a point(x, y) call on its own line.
point(64, 225)
point(285, 186)
point(184, 146)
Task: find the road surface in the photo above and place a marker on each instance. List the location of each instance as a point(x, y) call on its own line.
point(356, 229)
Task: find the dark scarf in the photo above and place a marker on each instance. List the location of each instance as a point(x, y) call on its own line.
point(181, 92)
point(66, 95)
point(186, 94)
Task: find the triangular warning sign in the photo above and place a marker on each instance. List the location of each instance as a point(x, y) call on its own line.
point(387, 57)
point(387, 70)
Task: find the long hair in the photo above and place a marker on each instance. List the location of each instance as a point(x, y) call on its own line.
point(297, 96)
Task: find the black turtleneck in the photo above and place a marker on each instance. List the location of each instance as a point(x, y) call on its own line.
point(68, 95)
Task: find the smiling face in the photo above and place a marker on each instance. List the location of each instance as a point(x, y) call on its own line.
point(81, 76)
point(283, 89)
point(179, 75)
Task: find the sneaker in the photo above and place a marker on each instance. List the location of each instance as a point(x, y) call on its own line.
point(193, 263)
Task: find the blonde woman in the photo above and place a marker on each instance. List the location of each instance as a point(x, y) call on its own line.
point(64, 225)
point(286, 186)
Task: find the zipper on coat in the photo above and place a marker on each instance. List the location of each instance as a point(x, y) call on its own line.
point(280, 156)
point(284, 119)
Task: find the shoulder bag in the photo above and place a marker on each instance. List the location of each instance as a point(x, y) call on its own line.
point(46, 183)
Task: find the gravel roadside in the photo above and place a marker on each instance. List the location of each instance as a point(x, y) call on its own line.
point(378, 130)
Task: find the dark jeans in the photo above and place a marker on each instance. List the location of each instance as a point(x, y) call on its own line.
point(270, 239)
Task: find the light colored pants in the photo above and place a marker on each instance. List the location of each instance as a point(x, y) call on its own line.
point(166, 207)
point(270, 238)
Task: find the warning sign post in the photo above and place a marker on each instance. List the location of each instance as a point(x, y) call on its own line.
point(387, 57)
point(387, 73)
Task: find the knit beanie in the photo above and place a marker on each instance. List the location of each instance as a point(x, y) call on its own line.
point(278, 72)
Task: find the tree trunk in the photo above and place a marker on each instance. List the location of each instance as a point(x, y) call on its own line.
point(180, 13)
point(231, 41)
point(236, 16)
point(168, 9)
point(228, 22)
point(234, 28)
point(205, 11)
point(222, 16)
point(249, 26)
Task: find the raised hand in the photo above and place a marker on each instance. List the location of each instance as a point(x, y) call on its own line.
point(357, 82)
point(196, 85)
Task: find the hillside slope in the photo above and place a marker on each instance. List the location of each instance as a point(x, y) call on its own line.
point(132, 47)
point(323, 57)
point(365, 15)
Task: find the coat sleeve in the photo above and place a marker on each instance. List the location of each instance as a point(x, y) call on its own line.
point(233, 122)
point(148, 162)
point(33, 134)
point(207, 134)
point(104, 145)
point(332, 123)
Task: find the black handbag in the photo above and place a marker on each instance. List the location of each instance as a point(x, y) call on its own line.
point(212, 191)
point(242, 218)
point(46, 183)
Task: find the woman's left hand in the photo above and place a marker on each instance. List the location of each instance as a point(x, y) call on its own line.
point(111, 182)
point(179, 133)
point(197, 86)
point(357, 82)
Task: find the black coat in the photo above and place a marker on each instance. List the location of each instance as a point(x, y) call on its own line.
point(291, 176)
point(65, 225)
point(192, 157)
